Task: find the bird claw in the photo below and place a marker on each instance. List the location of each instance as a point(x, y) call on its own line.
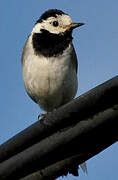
point(41, 115)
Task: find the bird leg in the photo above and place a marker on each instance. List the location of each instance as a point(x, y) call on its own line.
point(42, 116)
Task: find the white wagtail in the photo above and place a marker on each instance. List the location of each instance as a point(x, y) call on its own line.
point(49, 62)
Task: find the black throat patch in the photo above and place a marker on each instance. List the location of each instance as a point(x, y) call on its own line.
point(49, 44)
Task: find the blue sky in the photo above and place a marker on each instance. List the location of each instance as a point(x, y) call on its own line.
point(96, 45)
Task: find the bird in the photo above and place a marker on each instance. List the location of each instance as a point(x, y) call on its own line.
point(49, 61)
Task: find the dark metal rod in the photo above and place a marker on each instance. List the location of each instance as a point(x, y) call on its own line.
point(55, 170)
point(86, 138)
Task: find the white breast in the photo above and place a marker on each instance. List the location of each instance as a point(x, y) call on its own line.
point(50, 82)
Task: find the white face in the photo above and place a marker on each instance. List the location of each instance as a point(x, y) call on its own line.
point(63, 23)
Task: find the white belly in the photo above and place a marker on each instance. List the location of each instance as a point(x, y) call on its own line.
point(50, 82)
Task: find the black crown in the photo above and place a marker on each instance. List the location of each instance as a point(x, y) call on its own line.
point(50, 13)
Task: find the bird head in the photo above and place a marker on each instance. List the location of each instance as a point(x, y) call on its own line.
point(52, 33)
point(55, 22)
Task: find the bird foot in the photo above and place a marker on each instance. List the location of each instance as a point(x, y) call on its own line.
point(41, 115)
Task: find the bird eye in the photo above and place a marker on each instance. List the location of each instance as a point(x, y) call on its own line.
point(55, 23)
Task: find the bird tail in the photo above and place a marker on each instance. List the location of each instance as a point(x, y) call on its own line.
point(84, 167)
point(74, 169)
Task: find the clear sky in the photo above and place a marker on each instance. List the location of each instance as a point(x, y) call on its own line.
point(96, 45)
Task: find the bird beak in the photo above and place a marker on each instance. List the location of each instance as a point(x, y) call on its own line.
point(72, 26)
point(75, 25)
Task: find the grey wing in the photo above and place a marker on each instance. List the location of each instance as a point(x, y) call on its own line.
point(74, 59)
point(24, 52)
